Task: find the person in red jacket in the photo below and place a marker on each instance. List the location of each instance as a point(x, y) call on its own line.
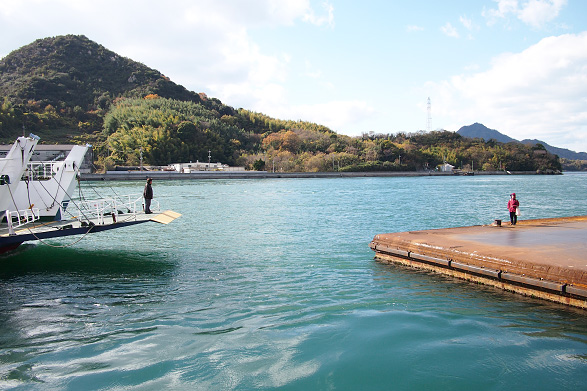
point(513, 205)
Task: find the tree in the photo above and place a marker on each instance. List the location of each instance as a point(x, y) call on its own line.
point(8, 121)
point(259, 165)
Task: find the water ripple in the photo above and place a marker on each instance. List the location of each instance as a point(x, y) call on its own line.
point(265, 284)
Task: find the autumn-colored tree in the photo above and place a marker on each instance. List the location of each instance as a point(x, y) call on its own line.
point(282, 141)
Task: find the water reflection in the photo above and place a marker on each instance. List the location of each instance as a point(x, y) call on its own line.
point(49, 262)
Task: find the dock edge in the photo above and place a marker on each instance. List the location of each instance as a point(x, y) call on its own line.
point(572, 295)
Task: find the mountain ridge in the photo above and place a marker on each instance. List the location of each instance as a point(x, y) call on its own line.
point(478, 130)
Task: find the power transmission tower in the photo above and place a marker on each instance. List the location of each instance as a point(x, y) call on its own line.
point(429, 119)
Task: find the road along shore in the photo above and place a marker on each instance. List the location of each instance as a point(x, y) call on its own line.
point(173, 175)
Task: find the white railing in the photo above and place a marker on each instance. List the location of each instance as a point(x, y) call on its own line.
point(109, 207)
point(18, 218)
point(42, 170)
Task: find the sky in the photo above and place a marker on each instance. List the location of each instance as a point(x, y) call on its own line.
point(516, 66)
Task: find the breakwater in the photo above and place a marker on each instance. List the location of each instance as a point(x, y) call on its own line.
point(173, 175)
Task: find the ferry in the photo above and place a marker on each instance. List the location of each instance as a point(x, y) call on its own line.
point(37, 204)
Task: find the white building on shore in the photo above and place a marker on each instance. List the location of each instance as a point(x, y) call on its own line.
point(446, 167)
point(190, 167)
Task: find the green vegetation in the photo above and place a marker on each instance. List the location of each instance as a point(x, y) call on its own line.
point(573, 165)
point(69, 89)
point(167, 130)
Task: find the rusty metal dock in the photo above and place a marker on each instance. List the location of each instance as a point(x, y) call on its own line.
point(545, 258)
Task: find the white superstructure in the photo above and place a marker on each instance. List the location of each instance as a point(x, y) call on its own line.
point(49, 185)
point(11, 169)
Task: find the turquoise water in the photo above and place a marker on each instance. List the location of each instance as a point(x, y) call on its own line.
point(270, 284)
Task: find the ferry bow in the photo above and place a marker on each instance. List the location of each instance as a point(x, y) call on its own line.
point(35, 198)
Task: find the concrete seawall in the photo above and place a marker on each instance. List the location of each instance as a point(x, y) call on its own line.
point(544, 258)
point(172, 175)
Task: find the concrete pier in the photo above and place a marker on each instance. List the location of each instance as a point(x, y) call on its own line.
point(544, 258)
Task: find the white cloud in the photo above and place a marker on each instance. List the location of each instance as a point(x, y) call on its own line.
point(535, 13)
point(340, 116)
point(540, 92)
point(327, 18)
point(413, 27)
point(469, 25)
point(504, 7)
point(466, 22)
point(449, 30)
point(538, 12)
point(311, 72)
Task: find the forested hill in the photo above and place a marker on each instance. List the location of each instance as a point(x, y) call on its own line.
point(68, 89)
point(79, 79)
point(69, 71)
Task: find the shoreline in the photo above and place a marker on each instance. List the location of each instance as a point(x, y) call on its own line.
point(172, 175)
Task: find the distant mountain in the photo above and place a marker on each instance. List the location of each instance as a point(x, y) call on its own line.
point(478, 130)
point(561, 152)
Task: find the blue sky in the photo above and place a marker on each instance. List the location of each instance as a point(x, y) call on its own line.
point(517, 66)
